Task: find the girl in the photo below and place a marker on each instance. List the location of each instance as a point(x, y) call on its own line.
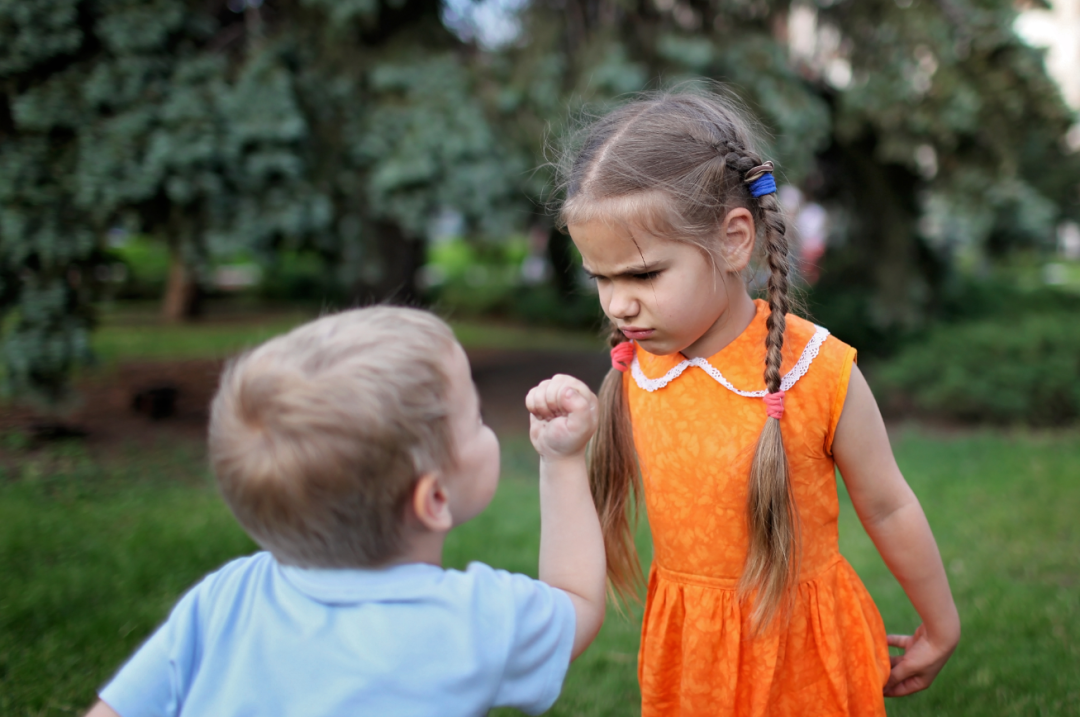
point(737, 413)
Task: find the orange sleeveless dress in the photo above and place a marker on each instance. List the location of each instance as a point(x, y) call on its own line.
point(695, 440)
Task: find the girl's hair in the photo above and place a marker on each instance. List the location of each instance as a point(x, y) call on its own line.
point(673, 165)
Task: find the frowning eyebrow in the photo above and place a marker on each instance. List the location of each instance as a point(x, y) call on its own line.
point(627, 273)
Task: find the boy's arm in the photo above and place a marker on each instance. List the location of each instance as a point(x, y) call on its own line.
point(100, 709)
point(895, 521)
point(564, 417)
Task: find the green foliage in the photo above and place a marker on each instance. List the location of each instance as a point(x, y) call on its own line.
point(475, 278)
point(1022, 369)
point(308, 128)
point(146, 263)
point(299, 277)
point(930, 131)
point(949, 118)
point(430, 147)
point(338, 128)
point(485, 279)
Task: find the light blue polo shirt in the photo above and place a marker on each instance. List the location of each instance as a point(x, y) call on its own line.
point(257, 638)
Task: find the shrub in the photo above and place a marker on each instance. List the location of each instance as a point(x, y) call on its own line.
point(470, 278)
point(1010, 370)
point(147, 264)
point(848, 311)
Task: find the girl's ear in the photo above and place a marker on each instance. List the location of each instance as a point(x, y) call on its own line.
point(431, 504)
point(738, 234)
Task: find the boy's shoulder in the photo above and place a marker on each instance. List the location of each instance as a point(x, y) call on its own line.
point(502, 604)
point(410, 583)
point(237, 574)
point(415, 583)
point(401, 638)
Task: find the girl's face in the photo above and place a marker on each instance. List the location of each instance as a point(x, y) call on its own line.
point(666, 295)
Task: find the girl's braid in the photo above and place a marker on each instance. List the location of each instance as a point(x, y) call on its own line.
point(776, 254)
point(616, 337)
point(773, 554)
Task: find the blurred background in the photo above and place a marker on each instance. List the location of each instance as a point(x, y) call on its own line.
point(180, 179)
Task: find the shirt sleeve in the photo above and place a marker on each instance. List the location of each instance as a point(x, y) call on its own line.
point(542, 638)
point(154, 681)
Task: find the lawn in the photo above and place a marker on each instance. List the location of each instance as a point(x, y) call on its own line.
point(94, 552)
point(140, 334)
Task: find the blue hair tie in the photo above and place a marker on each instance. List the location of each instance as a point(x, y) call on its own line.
point(759, 180)
point(765, 184)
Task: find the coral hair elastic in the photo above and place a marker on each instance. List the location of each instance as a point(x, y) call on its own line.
point(774, 405)
point(622, 355)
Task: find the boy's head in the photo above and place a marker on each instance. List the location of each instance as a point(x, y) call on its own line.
point(319, 437)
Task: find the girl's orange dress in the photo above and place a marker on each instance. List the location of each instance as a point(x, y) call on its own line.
point(695, 440)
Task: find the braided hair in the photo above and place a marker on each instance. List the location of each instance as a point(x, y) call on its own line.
point(676, 164)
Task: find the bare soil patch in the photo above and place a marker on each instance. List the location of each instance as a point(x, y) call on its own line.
point(147, 402)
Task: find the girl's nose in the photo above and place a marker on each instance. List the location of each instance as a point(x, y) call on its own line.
point(622, 304)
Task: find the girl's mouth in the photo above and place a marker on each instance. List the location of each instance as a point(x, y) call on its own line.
point(633, 332)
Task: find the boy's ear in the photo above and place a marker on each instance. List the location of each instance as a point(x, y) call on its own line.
point(431, 504)
point(738, 235)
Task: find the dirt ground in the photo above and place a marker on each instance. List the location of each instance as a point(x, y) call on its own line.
point(116, 408)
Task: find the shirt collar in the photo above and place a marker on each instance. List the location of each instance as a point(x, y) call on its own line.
point(753, 336)
point(353, 585)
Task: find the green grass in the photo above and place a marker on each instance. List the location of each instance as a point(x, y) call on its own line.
point(1005, 511)
point(118, 340)
point(142, 336)
point(92, 557)
point(482, 335)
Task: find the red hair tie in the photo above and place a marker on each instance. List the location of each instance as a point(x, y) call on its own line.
point(622, 355)
point(774, 405)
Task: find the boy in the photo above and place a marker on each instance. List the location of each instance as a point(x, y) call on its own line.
point(348, 449)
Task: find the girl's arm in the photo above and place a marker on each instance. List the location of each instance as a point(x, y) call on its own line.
point(895, 521)
point(564, 418)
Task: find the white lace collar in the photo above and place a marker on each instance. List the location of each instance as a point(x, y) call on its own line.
point(797, 371)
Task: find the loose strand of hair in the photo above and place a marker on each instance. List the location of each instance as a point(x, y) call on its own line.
point(616, 488)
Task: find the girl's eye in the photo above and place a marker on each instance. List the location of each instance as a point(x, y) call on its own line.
point(648, 275)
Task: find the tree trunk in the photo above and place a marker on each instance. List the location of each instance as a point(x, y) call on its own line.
point(883, 254)
point(391, 275)
point(561, 255)
point(181, 292)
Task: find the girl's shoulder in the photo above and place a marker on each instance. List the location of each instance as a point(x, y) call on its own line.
point(805, 342)
point(824, 372)
point(810, 349)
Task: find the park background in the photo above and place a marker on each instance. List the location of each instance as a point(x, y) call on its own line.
point(180, 179)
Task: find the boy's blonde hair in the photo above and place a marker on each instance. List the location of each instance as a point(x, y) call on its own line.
point(317, 437)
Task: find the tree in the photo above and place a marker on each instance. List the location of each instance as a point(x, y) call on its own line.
point(342, 126)
point(926, 125)
point(337, 126)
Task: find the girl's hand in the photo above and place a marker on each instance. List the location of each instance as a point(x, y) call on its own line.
point(563, 416)
point(919, 665)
